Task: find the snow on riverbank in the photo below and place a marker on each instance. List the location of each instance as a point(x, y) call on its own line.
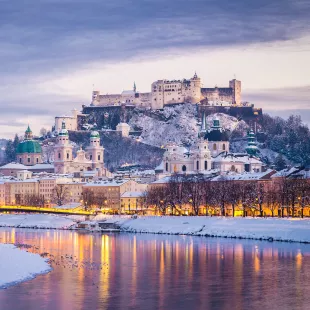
point(35, 221)
point(18, 265)
point(297, 230)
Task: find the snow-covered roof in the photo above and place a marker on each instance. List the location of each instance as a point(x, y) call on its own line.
point(133, 194)
point(236, 157)
point(107, 183)
point(14, 166)
point(246, 176)
point(72, 205)
point(128, 92)
point(41, 166)
point(160, 167)
point(285, 172)
point(162, 180)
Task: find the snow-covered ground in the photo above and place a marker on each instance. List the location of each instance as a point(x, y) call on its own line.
point(295, 230)
point(18, 265)
point(35, 221)
point(286, 229)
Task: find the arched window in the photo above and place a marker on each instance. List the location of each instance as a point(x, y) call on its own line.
point(59, 155)
point(67, 155)
point(197, 165)
point(233, 168)
point(183, 168)
point(37, 160)
point(28, 159)
point(224, 146)
point(214, 147)
point(166, 166)
point(206, 165)
point(98, 157)
point(20, 160)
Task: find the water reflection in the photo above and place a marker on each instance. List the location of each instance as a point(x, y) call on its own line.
point(126, 271)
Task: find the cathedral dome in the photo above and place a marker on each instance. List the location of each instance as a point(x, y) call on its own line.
point(28, 146)
point(94, 134)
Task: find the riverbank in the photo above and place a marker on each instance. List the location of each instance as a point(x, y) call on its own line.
point(272, 229)
point(18, 265)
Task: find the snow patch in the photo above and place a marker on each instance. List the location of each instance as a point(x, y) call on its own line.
point(18, 265)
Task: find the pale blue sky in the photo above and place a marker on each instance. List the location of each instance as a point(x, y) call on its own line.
point(53, 51)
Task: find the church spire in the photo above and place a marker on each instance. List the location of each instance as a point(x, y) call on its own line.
point(251, 149)
point(134, 87)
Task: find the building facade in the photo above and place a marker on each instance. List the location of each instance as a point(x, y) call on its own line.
point(91, 159)
point(212, 151)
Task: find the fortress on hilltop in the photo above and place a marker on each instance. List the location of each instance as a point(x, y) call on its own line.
point(165, 92)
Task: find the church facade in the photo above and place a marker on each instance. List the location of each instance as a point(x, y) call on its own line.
point(212, 151)
point(91, 159)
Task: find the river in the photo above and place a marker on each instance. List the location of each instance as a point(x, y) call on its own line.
point(144, 271)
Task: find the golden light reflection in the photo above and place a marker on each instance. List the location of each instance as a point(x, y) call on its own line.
point(298, 260)
point(105, 271)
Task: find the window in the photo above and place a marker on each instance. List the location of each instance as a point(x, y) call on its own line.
point(197, 165)
point(166, 166)
point(67, 155)
point(20, 160)
point(98, 157)
point(214, 147)
point(37, 160)
point(206, 165)
point(224, 146)
point(59, 155)
point(183, 168)
point(28, 159)
point(91, 157)
point(233, 168)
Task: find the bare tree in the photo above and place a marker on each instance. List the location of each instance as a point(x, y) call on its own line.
point(60, 194)
point(193, 193)
point(221, 199)
point(233, 189)
point(272, 200)
point(156, 196)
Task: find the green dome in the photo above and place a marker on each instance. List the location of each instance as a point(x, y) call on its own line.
point(28, 146)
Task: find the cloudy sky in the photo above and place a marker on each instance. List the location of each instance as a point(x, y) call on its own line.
point(52, 52)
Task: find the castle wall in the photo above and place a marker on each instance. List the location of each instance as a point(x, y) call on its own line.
point(165, 92)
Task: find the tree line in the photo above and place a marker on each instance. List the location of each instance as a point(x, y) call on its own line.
point(201, 196)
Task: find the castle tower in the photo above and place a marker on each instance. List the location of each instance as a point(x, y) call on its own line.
point(95, 98)
point(63, 151)
point(236, 91)
point(195, 89)
point(95, 152)
point(203, 160)
point(251, 149)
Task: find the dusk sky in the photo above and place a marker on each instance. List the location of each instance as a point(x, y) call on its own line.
point(52, 52)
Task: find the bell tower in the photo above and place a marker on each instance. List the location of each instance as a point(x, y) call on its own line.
point(203, 159)
point(63, 151)
point(95, 152)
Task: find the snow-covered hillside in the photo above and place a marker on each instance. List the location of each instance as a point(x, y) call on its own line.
point(173, 124)
point(179, 124)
